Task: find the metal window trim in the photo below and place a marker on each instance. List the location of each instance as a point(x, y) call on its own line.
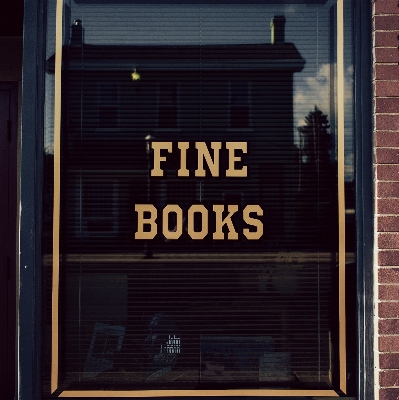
point(30, 189)
point(364, 195)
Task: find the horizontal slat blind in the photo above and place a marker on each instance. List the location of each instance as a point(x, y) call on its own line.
point(248, 305)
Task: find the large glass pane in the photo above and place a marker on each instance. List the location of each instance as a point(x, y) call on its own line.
point(199, 209)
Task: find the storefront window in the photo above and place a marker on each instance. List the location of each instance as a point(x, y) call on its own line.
point(198, 219)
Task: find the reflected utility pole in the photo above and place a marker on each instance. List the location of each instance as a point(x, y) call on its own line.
point(148, 253)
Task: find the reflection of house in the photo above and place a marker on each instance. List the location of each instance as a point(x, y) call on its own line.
point(185, 93)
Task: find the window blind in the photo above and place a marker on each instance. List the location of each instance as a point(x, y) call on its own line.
point(199, 210)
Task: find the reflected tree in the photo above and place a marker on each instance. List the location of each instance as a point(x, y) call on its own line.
point(317, 181)
point(315, 140)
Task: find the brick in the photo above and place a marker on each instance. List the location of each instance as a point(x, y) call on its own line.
point(386, 22)
point(388, 394)
point(386, 7)
point(388, 224)
point(388, 189)
point(388, 343)
point(388, 241)
point(386, 139)
point(388, 206)
point(388, 292)
point(387, 72)
point(389, 378)
point(387, 122)
point(388, 310)
point(388, 258)
point(390, 105)
point(387, 172)
point(389, 361)
point(386, 55)
point(385, 155)
point(388, 275)
point(386, 39)
point(388, 327)
point(386, 88)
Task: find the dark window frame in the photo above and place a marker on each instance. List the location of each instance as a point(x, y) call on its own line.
point(30, 181)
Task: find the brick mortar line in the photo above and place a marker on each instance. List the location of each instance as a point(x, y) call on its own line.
point(382, 335)
point(389, 387)
point(387, 301)
point(389, 369)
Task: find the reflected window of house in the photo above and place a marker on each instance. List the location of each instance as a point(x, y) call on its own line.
point(239, 104)
point(108, 105)
point(167, 105)
point(99, 209)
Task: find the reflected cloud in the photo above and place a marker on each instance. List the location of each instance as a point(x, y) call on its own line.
point(311, 91)
point(290, 9)
point(349, 166)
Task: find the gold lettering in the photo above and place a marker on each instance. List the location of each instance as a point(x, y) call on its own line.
point(252, 221)
point(232, 147)
point(220, 222)
point(203, 152)
point(157, 147)
point(197, 235)
point(176, 233)
point(183, 171)
point(141, 221)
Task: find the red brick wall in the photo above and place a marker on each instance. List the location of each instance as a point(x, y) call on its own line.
point(386, 102)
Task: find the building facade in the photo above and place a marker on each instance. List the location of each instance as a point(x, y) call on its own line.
point(207, 207)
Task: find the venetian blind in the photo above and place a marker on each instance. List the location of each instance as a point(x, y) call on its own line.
point(199, 220)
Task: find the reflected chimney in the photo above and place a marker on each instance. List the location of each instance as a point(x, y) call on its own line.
point(77, 33)
point(277, 28)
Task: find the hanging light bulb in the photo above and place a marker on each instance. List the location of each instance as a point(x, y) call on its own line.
point(135, 75)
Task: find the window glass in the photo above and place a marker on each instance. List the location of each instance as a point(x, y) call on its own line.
point(196, 245)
